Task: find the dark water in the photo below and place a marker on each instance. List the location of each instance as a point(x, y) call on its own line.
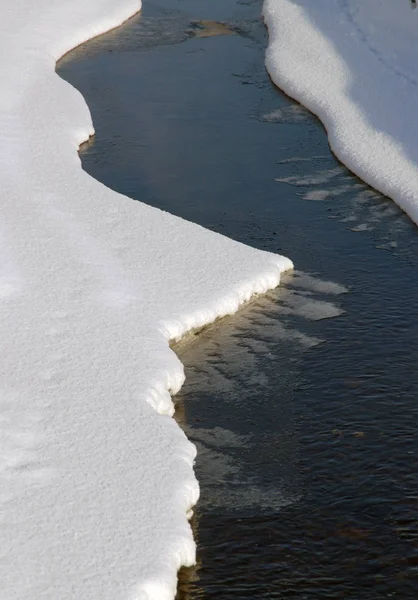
point(303, 405)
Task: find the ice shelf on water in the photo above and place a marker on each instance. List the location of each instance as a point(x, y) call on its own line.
point(96, 478)
point(353, 64)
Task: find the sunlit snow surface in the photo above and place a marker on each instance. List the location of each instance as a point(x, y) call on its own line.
point(354, 64)
point(96, 478)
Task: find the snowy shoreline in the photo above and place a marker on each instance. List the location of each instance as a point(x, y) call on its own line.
point(96, 478)
point(351, 64)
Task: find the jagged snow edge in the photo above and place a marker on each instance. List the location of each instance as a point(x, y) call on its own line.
point(171, 383)
point(157, 395)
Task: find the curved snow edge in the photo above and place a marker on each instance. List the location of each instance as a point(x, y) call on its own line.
point(287, 61)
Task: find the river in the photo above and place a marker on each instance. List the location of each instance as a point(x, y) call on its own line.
point(303, 406)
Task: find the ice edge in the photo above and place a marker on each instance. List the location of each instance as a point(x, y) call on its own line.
point(159, 395)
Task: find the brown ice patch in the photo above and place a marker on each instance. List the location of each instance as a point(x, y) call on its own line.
point(202, 29)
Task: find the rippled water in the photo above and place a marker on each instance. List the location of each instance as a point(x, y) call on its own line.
point(303, 405)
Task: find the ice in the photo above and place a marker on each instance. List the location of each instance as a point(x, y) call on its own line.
point(308, 180)
point(96, 478)
point(353, 64)
point(293, 114)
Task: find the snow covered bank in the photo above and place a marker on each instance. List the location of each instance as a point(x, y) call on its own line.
point(353, 63)
point(96, 479)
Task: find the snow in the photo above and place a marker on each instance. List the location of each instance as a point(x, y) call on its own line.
point(96, 478)
point(353, 64)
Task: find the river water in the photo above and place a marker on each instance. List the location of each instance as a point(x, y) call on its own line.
point(303, 406)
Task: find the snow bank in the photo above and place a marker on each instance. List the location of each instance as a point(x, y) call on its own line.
point(353, 63)
point(96, 479)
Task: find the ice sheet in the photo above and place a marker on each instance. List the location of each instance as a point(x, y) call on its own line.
point(96, 478)
point(353, 64)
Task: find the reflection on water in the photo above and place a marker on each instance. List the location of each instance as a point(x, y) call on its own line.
point(303, 405)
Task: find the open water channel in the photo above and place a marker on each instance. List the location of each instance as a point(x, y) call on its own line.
point(304, 405)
